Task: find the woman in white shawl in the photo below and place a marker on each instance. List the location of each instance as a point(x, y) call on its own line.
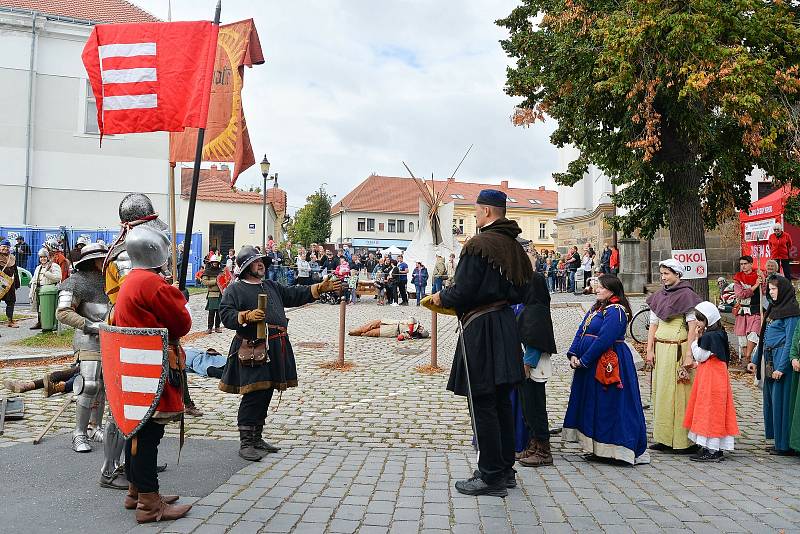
point(47, 273)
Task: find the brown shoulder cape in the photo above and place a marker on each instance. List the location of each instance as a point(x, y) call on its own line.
point(497, 243)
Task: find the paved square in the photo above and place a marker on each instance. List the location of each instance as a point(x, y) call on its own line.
point(378, 448)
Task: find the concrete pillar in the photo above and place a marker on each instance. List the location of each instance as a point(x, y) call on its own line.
point(633, 259)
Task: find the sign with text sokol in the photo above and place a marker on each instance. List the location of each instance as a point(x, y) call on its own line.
point(694, 262)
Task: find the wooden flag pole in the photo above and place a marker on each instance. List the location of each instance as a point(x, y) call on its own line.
point(198, 156)
point(173, 223)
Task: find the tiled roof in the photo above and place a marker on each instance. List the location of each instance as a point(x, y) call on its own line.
point(392, 194)
point(108, 11)
point(214, 186)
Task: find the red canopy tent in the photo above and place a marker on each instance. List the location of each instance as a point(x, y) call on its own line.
point(757, 222)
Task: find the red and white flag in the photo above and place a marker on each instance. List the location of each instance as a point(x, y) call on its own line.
point(153, 76)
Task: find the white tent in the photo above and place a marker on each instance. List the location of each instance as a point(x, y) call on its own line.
point(391, 251)
point(424, 247)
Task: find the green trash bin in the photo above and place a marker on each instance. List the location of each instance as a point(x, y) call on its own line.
point(24, 277)
point(48, 296)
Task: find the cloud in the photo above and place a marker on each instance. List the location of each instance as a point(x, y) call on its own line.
point(352, 87)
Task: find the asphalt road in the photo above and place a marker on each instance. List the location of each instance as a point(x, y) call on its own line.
point(50, 488)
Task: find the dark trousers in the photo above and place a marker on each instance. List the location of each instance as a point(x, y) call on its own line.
point(586, 276)
point(391, 293)
point(141, 468)
point(786, 267)
point(213, 319)
point(401, 286)
point(534, 409)
point(494, 422)
point(254, 406)
point(11, 300)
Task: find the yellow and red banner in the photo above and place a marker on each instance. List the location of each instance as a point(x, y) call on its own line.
point(226, 137)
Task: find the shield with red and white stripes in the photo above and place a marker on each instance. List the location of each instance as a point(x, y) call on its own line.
point(135, 368)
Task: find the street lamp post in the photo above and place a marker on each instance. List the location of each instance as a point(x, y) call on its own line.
point(265, 173)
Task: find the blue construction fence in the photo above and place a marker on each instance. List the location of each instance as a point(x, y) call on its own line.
point(35, 236)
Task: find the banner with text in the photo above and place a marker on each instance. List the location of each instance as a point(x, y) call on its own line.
point(694, 262)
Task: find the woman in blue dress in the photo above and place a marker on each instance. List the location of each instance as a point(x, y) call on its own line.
point(772, 364)
point(607, 420)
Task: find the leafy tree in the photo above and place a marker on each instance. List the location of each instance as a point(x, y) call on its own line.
point(312, 222)
point(675, 100)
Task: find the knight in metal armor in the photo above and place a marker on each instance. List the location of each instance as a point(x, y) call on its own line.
point(83, 305)
point(135, 209)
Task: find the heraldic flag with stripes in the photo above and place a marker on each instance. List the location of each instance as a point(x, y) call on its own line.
point(135, 366)
point(153, 76)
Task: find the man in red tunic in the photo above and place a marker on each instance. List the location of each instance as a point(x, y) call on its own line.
point(146, 300)
point(780, 245)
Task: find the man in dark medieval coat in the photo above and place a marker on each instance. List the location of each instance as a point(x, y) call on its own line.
point(491, 275)
point(256, 367)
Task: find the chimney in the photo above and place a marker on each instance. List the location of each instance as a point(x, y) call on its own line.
point(541, 188)
point(213, 167)
point(504, 184)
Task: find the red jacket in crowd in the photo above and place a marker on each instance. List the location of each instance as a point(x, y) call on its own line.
point(779, 247)
point(613, 262)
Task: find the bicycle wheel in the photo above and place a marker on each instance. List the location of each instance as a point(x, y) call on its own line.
point(640, 326)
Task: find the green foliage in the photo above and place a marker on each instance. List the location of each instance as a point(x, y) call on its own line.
point(791, 210)
point(676, 101)
point(312, 222)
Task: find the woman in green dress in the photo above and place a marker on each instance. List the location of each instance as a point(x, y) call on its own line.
point(672, 330)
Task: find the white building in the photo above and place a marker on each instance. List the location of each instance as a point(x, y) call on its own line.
point(383, 211)
point(56, 173)
point(226, 217)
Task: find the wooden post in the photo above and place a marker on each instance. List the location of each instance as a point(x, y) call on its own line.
point(173, 225)
point(342, 312)
point(434, 348)
point(261, 327)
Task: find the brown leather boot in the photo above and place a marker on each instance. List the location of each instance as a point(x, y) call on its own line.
point(151, 508)
point(530, 449)
point(51, 387)
point(132, 498)
point(19, 386)
point(540, 458)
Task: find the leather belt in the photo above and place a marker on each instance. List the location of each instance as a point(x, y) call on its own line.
point(670, 342)
point(280, 329)
point(89, 356)
point(482, 310)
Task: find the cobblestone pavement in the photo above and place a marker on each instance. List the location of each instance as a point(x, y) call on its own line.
point(377, 449)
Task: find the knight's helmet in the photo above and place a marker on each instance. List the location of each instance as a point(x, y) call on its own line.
point(137, 207)
point(147, 247)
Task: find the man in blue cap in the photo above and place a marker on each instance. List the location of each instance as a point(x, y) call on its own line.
point(491, 274)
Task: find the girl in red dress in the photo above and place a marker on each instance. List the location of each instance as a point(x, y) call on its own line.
point(710, 413)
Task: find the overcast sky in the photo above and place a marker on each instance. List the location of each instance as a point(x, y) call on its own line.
point(352, 87)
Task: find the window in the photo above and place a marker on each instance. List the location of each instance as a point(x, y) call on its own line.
point(90, 125)
point(458, 226)
point(401, 226)
point(410, 226)
point(362, 225)
point(457, 196)
point(542, 230)
point(509, 199)
point(392, 226)
point(380, 227)
point(370, 225)
point(534, 201)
